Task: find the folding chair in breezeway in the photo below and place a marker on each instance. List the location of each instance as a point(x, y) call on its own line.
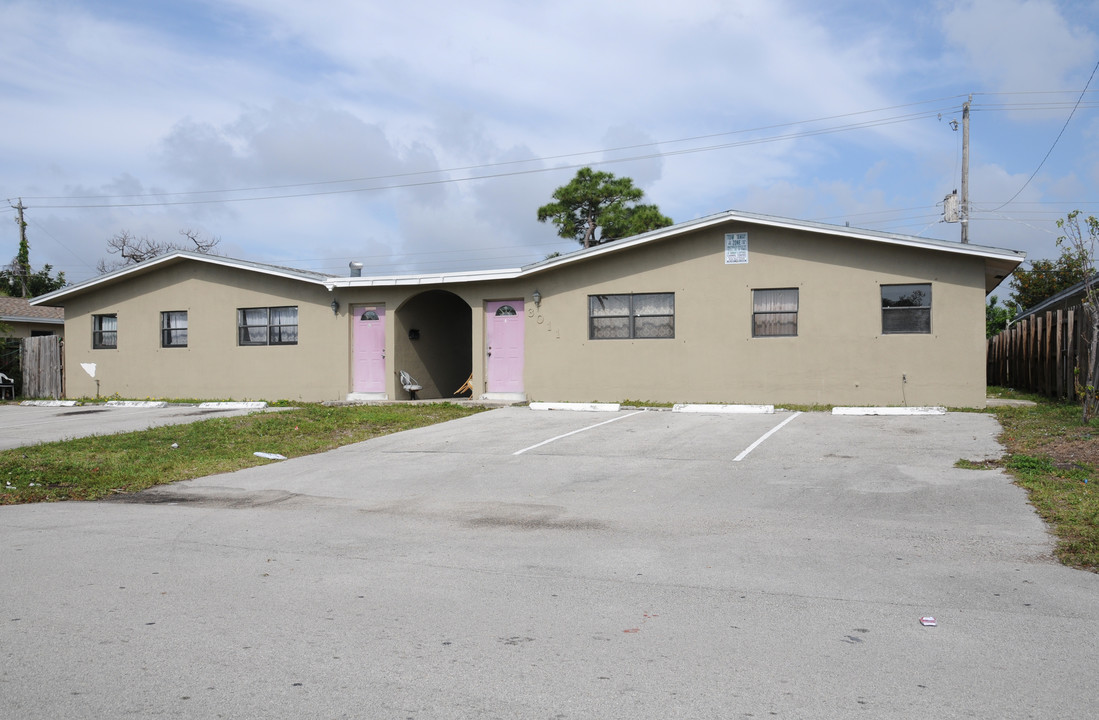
point(409, 384)
point(467, 385)
point(7, 387)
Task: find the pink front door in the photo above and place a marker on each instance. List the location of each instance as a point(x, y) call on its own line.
point(504, 338)
point(368, 349)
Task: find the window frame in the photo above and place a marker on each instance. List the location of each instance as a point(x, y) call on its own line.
point(922, 311)
point(631, 316)
point(167, 331)
point(270, 328)
point(98, 332)
point(756, 333)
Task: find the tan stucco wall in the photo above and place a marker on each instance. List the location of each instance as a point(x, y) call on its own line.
point(212, 366)
point(840, 355)
point(26, 329)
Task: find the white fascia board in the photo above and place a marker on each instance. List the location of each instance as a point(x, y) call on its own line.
point(143, 267)
point(983, 251)
point(426, 279)
point(35, 320)
point(887, 238)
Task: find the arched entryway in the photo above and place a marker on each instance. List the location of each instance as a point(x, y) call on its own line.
point(434, 343)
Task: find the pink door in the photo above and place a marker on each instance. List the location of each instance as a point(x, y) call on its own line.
point(504, 337)
point(368, 349)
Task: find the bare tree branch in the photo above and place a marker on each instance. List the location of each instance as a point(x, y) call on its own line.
point(132, 250)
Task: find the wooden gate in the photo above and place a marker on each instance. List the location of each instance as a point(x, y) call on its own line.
point(43, 367)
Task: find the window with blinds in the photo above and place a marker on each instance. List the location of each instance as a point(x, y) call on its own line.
point(636, 316)
point(173, 329)
point(267, 326)
point(104, 332)
point(775, 312)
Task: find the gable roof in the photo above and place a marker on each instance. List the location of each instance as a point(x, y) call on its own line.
point(999, 263)
point(173, 258)
point(20, 310)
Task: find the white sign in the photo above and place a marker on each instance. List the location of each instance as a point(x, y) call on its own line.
point(736, 248)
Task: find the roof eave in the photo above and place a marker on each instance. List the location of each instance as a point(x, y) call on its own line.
point(147, 265)
point(423, 279)
point(1012, 257)
point(34, 320)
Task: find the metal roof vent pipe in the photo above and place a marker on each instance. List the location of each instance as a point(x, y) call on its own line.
point(356, 269)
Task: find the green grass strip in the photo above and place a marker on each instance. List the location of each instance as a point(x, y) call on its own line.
point(1050, 455)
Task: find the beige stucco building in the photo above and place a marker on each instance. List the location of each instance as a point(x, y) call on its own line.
point(731, 308)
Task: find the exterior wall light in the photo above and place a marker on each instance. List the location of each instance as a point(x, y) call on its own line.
point(537, 297)
point(335, 306)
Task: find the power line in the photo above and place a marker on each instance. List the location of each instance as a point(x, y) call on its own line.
point(1055, 140)
point(464, 251)
point(848, 216)
point(443, 181)
point(469, 168)
point(47, 233)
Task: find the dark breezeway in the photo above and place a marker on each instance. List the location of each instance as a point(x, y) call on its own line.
point(434, 343)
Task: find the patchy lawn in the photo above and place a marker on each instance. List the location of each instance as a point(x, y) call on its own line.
point(1054, 456)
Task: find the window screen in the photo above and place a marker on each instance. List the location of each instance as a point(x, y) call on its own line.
point(906, 308)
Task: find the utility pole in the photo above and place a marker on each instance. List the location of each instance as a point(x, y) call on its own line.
point(23, 267)
point(964, 214)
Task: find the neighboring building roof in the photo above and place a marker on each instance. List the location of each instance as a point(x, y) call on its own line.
point(1066, 297)
point(998, 262)
point(20, 310)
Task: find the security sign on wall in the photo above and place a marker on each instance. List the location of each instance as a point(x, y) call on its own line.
point(736, 248)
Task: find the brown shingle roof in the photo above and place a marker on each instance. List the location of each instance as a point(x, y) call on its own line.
point(19, 308)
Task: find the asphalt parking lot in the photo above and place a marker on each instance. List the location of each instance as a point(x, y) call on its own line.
point(522, 564)
point(27, 425)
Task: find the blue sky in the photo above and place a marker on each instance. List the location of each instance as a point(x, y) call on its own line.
point(424, 136)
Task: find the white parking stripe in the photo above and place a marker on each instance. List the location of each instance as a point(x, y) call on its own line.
point(766, 435)
point(589, 427)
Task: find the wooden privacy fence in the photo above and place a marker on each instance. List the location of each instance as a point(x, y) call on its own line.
point(43, 369)
point(1043, 353)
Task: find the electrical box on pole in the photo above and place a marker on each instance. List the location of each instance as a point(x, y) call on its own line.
point(950, 207)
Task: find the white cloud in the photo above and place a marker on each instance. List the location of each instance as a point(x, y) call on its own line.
point(1021, 45)
point(113, 98)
